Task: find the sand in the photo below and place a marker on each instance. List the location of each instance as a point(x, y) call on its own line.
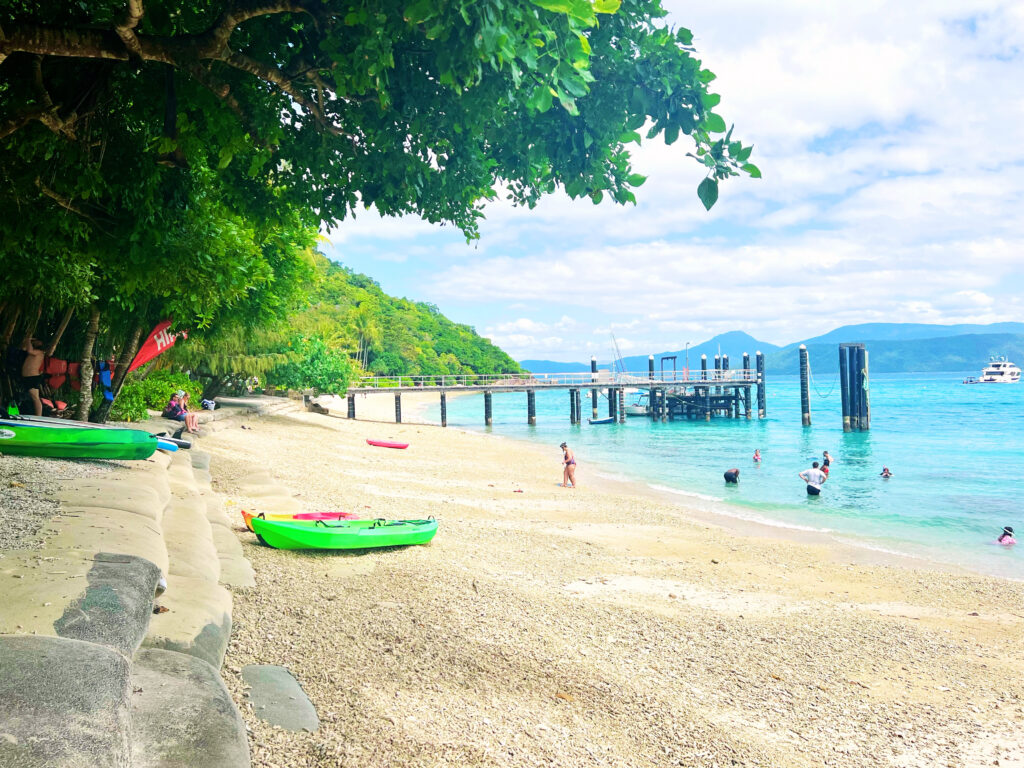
point(595, 627)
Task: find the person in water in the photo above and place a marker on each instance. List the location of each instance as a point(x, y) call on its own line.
point(826, 459)
point(757, 454)
point(568, 467)
point(1006, 538)
point(885, 472)
point(732, 476)
point(814, 478)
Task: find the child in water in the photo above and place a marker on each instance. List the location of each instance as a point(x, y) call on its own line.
point(885, 472)
point(1006, 537)
point(757, 454)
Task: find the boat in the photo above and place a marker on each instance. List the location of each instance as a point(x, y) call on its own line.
point(639, 406)
point(386, 444)
point(248, 516)
point(608, 420)
point(344, 534)
point(20, 437)
point(50, 421)
point(998, 371)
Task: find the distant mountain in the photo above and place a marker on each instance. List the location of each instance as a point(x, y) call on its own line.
point(947, 353)
point(906, 332)
point(733, 344)
point(892, 347)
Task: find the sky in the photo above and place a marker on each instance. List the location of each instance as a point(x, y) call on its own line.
point(890, 136)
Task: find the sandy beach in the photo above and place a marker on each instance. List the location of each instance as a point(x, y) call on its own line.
point(595, 627)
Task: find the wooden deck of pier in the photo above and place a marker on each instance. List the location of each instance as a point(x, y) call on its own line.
point(687, 394)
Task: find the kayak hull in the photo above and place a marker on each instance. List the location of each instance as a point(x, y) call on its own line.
point(248, 516)
point(345, 534)
point(387, 444)
point(33, 439)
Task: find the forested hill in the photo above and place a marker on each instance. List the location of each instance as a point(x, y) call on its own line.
point(393, 336)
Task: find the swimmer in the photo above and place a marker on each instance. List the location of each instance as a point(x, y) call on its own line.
point(732, 476)
point(825, 461)
point(885, 473)
point(757, 454)
point(1006, 537)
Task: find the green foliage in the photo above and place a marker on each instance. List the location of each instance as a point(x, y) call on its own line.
point(130, 404)
point(155, 390)
point(317, 366)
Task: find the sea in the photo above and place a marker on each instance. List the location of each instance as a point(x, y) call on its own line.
point(956, 453)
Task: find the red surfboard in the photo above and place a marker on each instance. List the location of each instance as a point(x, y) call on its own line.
point(386, 444)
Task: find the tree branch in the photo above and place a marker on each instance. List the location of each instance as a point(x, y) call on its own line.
point(62, 201)
point(126, 30)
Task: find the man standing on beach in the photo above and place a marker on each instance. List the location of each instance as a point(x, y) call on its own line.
point(814, 478)
point(31, 371)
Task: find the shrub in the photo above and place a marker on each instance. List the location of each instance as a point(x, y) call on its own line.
point(155, 391)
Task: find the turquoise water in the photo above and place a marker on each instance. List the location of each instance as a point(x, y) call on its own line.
point(956, 453)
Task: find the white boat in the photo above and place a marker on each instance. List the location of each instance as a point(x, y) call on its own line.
point(639, 406)
point(998, 371)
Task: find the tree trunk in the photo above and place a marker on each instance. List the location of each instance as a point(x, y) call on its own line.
point(30, 329)
point(52, 346)
point(9, 330)
point(86, 376)
point(127, 355)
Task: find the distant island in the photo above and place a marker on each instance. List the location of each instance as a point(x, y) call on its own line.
point(893, 348)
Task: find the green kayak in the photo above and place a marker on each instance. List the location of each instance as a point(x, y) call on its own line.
point(343, 534)
point(19, 438)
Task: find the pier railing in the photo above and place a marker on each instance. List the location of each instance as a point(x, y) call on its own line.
point(586, 379)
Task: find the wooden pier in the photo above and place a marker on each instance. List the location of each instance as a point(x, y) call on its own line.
point(672, 395)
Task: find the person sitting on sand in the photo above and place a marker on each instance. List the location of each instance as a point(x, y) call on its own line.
point(757, 454)
point(191, 417)
point(1006, 538)
point(885, 472)
point(568, 467)
point(814, 478)
point(176, 411)
point(32, 370)
point(732, 476)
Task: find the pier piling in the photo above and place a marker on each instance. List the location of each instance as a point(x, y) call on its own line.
point(531, 407)
point(853, 392)
point(444, 409)
point(761, 394)
point(579, 407)
point(613, 402)
point(593, 390)
point(805, 383)
point(487, 409)
point(622, 405)
point(844, 386)
point(572, 406)
point(351, 406)
point(862, 388)
point(398, 409)
point(746, 390)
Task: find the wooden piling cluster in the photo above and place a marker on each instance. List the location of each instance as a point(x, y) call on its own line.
point(853, 383)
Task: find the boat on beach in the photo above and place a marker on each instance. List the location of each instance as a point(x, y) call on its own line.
point(998, 371)
point(21, 437)
point(343, 534)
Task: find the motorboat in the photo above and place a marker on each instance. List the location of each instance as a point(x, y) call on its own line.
point(998, 371)
point(639, 406)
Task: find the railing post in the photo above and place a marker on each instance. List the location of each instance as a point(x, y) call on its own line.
point(444, 410)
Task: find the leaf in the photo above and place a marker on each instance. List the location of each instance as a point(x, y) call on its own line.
point(753, 170)
point(743, 154)
point(607, 6)
point(714, 123)
point(710, 100)
point(708, 192)
point(636, 179)
point(671, 133)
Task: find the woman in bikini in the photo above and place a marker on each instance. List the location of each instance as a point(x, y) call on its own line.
point(569, 467)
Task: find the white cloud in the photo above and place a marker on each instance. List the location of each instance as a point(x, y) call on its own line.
point(891, 137)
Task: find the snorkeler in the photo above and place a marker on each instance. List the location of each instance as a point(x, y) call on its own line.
point(885, 472)
point(1006, 537)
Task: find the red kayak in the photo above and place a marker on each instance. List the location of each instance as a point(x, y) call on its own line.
point(386, 444)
